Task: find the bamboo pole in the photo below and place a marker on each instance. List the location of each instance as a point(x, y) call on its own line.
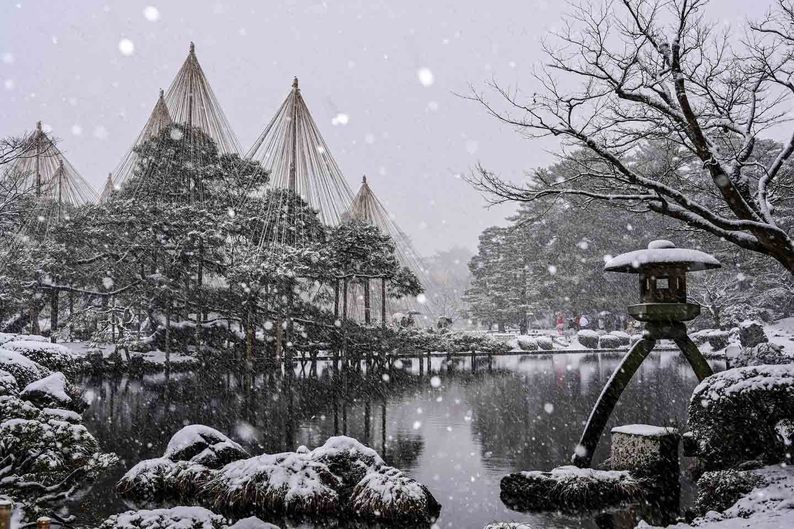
point(367, 306)
point(383, 302)
point(53, 313)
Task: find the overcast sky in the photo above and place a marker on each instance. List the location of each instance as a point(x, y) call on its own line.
point(392, 68)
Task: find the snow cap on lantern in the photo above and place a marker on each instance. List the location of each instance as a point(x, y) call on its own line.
point(662, 268)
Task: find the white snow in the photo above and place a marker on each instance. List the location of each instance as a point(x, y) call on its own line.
point(657, 253)
point(645, 430)
point(53, 385)
point(769, 506)
point(174, 518)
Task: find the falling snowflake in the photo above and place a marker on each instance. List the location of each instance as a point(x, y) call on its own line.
point(548, 407)
point(126, 47)
point(340, 119)
point(151, 13)
point(421, 299)
point(107, 282)
point(417, 425)
point(425, 76)
point(435, 382)
point(552, 269)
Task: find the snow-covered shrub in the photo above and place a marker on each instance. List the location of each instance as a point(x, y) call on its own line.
point(569, 488)
point(389, 494)
point(289, 483)
point(54, 391)
point(204, 445)
point(50, 451)
point(608, 341)
point(23, 369)
point(545, 343)
point(173, 518)
point(525, 343)
point(624, 338)
point(53, 356)
point(717, 339)
point(751, 333)
point(13, 407)
point(732, 415)
point(8, 384)
point(719, 489)
point(587, 338)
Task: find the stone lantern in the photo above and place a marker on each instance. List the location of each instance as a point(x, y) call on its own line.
point(664, 308)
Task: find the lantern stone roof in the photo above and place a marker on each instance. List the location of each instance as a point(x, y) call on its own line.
point(658, 253)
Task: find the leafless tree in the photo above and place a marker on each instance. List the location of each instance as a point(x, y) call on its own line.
point(629, 74)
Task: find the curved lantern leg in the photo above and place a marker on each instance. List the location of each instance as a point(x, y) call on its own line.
point(607, 400)
point(695, 358)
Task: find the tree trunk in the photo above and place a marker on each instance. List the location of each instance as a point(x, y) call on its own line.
point(383, 302)
point(367, 306)
point(53, 314)
point(336, 299)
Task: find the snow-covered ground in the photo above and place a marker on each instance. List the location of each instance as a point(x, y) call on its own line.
point(769, 506)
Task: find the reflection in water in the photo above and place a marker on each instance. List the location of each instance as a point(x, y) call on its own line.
point(517, 413)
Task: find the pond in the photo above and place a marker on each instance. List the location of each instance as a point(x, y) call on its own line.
point(457, 430)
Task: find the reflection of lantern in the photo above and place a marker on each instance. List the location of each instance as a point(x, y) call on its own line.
point(662, 271)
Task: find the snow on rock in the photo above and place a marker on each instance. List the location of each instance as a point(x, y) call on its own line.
point(8, 384)
point(762, 354)
point(289, 482)
point(751, 333)
point(645, 430)
point(509, 525)
point(252, 522)
point(569, 488)
point(23, 369)
point(389, 494)
point(306, 482)
point(13, 407)
point(51, 391)
point(347, 458)
point(733, 414)
point(204, 445)
point(587, 339)
point(50, 355)
point(173, 518)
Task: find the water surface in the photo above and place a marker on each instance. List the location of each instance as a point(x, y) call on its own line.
point(455, 429)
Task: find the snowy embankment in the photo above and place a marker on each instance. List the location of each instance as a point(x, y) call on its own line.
point(179, 518)
point(340, 478)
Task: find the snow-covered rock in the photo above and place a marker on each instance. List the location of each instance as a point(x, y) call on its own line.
point(6, 337)
point(389, 494)
point(733, 414)
point(8, 384)
point(53, 356)
point(719, 489)
point(252, 522)
point(23, 369)
point(204, 445)
point(173, 518)
point(751, 333)
point(762, 354)
point(569, 488)
point(587, 338)
point(13, 407)
point(53, 391)
point(717, 339)
point(322, 481)
point(288, 483)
